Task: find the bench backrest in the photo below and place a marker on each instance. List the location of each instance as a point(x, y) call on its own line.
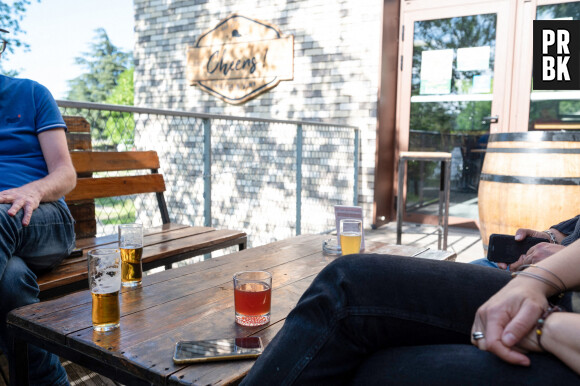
point(91, 184)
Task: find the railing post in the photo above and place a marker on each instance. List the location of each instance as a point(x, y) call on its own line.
point(356, 166)
point(298, 179)
point(207, 172)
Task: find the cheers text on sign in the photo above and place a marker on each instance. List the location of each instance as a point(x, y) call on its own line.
point(240, 58)
point(556, 55)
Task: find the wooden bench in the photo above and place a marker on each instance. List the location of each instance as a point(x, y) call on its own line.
point(163, 245)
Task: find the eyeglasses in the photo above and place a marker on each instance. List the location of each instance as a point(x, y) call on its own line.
point(3, 44)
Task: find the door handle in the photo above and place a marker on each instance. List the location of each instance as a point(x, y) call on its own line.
point(490, 119)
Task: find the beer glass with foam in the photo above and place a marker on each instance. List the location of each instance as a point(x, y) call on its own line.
point(350, 236)
point(252, 297)
point(131, 244)
point(105, 284)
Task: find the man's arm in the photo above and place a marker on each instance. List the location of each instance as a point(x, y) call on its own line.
point(566, 227)
point(60, 180)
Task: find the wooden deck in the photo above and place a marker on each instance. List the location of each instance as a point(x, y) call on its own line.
point(466, 243)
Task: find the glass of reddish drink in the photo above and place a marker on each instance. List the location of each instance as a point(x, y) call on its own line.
point(252, 297)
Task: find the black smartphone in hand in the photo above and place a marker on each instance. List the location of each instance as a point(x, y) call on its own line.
point(505, 248)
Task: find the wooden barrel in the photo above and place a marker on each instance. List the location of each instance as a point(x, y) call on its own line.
point(528, 180)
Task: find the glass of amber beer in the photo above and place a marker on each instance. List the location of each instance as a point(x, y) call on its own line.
point(252, 297)
point(105, 284)
point(350, 236)
point(131, 244)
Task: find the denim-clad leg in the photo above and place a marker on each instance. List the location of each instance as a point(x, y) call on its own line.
point(458, 365)
point(484, 263)
point(361, 304)
point(39, 246)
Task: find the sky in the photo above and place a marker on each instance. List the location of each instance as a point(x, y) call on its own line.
point(60, 30)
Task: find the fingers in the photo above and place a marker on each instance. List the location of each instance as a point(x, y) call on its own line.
point(517, 264)
point(521, 325)
point(27, 215)
point(27, 208)
point(540, 251)
point(522, 233)
point(494, 344)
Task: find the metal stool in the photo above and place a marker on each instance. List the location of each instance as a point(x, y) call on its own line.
point(445, 159)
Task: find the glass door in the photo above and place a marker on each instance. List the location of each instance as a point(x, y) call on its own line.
point(453, 90)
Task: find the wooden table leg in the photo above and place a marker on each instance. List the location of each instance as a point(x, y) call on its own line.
point(17, 358)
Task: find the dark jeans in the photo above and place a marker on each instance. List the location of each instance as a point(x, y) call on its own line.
point(375, 319)
point(26, 250)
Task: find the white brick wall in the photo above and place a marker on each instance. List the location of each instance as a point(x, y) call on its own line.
point(336, 64)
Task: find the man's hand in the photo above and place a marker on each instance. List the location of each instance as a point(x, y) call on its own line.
point(25, 197)
point(536, 253)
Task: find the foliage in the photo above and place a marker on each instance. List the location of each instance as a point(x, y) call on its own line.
point(120, 126)
point(104, 63)
point(115, 211)
point(108, 79)
point(123, 92)
point(10, 18)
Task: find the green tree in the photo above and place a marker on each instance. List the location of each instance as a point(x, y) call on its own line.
point(123, 93)
point(120, 127)
point(104, 63)
point(10, 17)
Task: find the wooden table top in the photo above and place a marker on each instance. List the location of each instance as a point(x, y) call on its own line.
point(189, 303)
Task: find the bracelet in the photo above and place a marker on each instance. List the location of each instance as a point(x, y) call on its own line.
point(541, 321)
point(539, 278)
point(547, 270)
point(552, 237)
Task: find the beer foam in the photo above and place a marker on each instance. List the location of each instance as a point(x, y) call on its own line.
point(109, 282)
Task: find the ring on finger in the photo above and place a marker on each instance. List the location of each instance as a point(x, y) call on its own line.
point(477, 335)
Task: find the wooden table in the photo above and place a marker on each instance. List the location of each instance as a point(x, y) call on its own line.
point(189, 303)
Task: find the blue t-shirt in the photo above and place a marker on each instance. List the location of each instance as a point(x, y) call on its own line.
point(26, 109)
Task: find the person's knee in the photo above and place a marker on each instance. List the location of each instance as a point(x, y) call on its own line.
point(18, 285)
point(9, 225)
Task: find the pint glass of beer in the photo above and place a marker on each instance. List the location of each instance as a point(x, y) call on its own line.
point(105, 284)
point(131, 244)
point(350, 236)
point(252, 297)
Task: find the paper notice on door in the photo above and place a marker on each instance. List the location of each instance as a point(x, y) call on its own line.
point(481, 84)
point(436, 70)
point(473, 58)
point(343, 211)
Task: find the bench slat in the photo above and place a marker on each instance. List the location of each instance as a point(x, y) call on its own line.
point(155, 255)
point(108, 161)
point(116, 186)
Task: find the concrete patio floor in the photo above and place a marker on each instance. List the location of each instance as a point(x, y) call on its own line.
point(465, 242)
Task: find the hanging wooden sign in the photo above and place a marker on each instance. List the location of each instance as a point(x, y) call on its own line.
point(240, 58)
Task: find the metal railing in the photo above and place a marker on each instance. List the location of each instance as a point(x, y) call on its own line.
point(271, 178)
